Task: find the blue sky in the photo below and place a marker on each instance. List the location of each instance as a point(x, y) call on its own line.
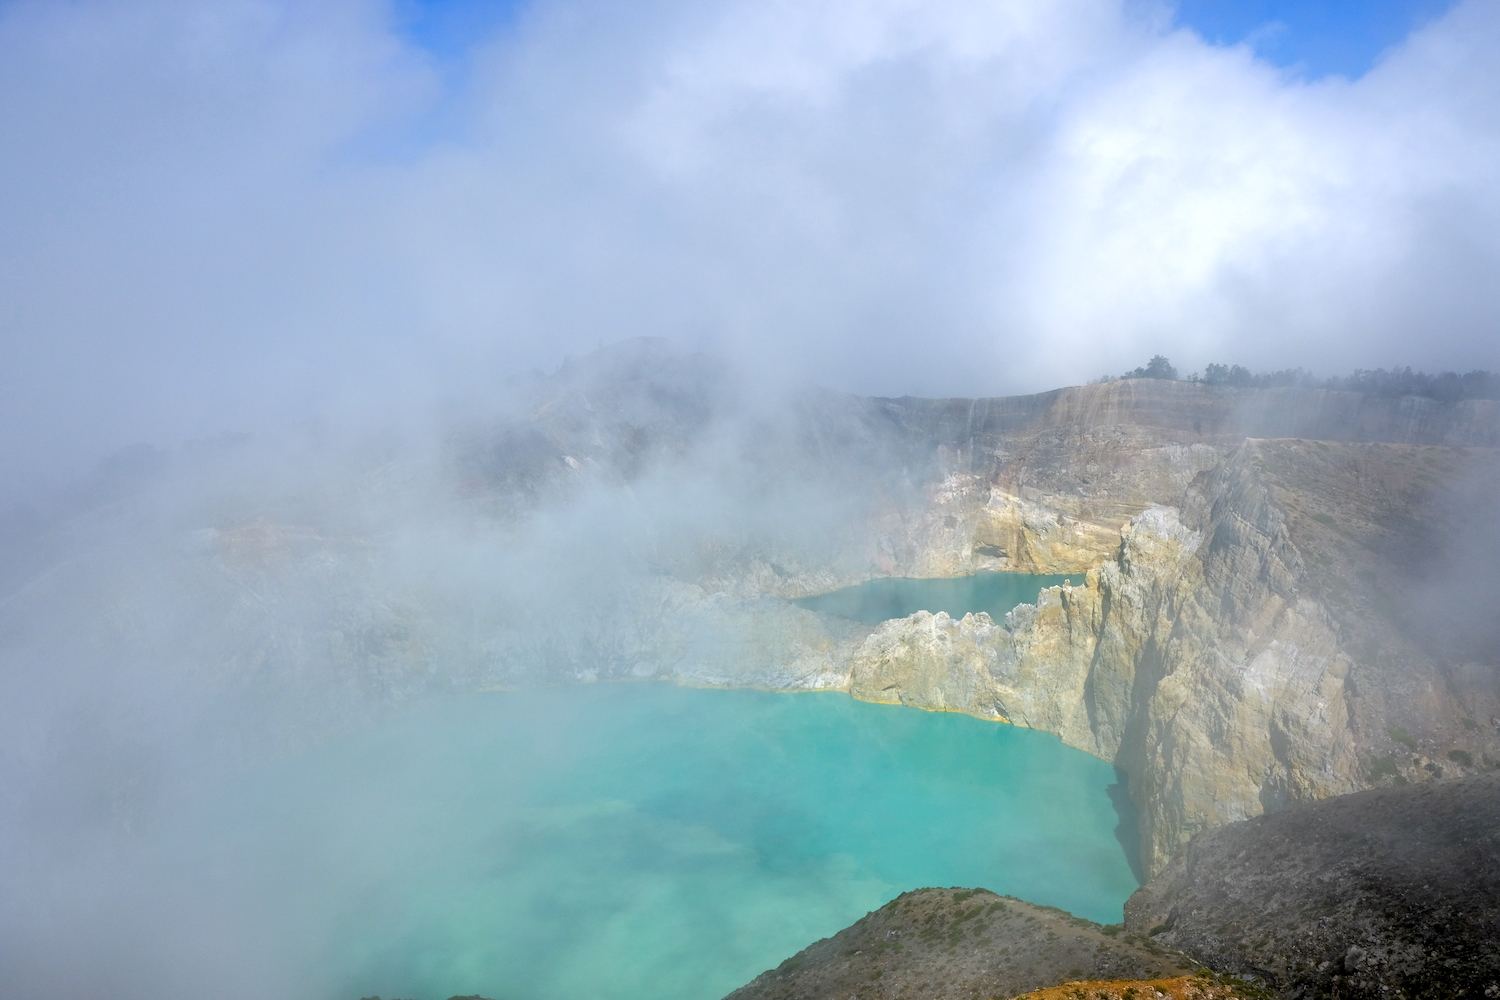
point(447, 28)
point(1319, 37)
point(1314, 37)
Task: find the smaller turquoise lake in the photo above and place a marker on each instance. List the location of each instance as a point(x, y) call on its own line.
point(631, 841)
point(879, 600)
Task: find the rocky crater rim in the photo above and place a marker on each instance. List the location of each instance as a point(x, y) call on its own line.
point(963, 942)
point(1259, 614)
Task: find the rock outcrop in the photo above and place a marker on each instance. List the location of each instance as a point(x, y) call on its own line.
point(962, 943)
point(933, 662)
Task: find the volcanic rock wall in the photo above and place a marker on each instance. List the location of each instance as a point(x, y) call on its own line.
point(1237, 652)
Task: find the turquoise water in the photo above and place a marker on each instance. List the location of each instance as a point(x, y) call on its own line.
point(878, 600)
point(646, 841)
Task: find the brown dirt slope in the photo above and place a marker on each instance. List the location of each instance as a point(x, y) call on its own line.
point(961, 943)
point(1388, 893)
point(1206, 987)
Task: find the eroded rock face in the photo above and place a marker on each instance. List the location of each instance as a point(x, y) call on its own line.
point(932, 662)
point(1237, 652)
point(1135, 667)
point(1236, 687)
point(1392, 892)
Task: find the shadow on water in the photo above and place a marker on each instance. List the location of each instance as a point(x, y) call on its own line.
point(1128, 830)
point(880, 600)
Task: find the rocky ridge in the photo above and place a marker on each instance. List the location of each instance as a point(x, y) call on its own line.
point(961, 943)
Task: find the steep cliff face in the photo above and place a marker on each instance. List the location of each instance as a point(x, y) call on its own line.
point(1133, 667)
point(1237, 652)
point(1238, 699)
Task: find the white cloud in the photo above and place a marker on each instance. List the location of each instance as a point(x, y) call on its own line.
point(883, 195)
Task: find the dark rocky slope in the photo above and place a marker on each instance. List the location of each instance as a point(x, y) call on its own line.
point(1392, 892)
point(961, 943)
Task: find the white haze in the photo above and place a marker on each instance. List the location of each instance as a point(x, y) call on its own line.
point(284, 219)
point(183, 618)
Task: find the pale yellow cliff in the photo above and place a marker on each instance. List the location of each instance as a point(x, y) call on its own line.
point(1218, 654)
point(932, 662)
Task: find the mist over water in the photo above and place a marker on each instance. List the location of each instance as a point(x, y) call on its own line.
point(306, 292)
point(235, 763)
point(628, 841)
